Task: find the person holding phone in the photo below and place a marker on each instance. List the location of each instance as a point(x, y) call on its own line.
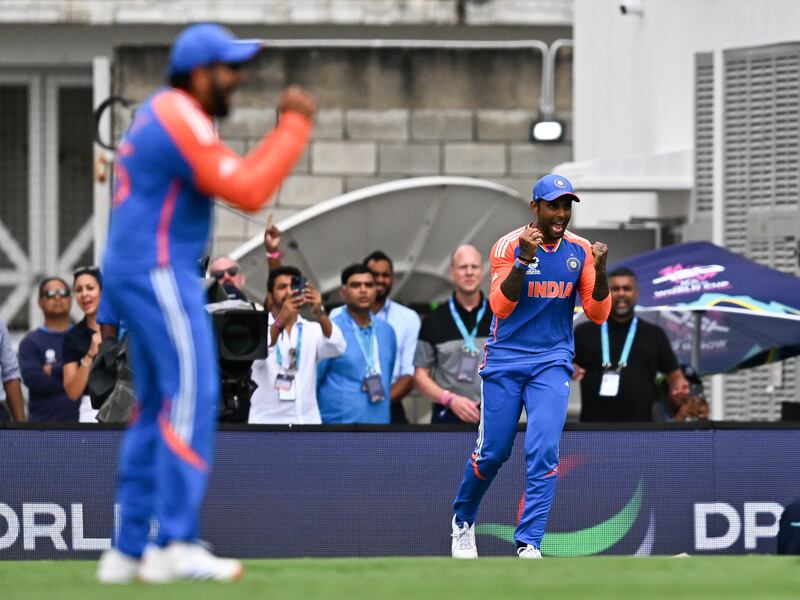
point(301, 335)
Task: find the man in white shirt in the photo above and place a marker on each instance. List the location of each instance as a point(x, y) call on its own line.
point(287, 378)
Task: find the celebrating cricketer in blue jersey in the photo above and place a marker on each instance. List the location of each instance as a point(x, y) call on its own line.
point(536, 273)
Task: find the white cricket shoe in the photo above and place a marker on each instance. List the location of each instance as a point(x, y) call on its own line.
point(463, 545)
point(184, 561)
point(116, 567)
point(529, 552)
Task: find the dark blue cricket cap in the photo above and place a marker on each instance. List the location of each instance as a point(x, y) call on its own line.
point(553, 186)
point(208, 43)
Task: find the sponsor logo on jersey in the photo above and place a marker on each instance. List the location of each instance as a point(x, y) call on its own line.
point(549, 289)
point(533, 268)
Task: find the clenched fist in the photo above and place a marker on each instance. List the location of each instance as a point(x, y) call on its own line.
point(529, 242)
point(600, 253)
point(298, 100)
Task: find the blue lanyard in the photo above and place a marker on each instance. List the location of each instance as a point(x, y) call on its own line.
point(365, 336)
point(469, 337)
point(279, 356)
point(626, 349)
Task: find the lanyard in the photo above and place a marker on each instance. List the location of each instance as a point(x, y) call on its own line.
point(366, 341)
point(626, 349)
point(469, 337)
point(279, 356)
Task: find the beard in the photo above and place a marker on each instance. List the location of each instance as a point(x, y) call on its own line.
point(219, 105)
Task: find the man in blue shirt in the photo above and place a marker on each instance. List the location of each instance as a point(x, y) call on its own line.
point(40, 358)
point(404, 321)
point(356, 386)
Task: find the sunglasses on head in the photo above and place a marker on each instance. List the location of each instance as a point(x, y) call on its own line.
point(59, 293)
point(92, 270)
point(221, 273)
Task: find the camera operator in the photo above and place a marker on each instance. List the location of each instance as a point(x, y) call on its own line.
point(287, 378)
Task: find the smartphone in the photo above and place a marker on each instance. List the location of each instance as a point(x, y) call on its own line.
point(298, 285)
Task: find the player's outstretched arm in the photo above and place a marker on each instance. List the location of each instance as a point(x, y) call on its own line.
point(248, 182)
point(263, 170)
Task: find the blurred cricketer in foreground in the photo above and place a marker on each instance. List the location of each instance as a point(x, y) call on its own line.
point(170, 166)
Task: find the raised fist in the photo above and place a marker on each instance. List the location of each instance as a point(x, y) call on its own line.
point(297, 99)
point(529, 242)
point(600, 253)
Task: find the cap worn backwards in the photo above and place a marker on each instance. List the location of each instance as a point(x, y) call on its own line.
point(208, 43)
point(553, 186)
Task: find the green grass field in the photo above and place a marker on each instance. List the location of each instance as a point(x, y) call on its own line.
point(621, 578)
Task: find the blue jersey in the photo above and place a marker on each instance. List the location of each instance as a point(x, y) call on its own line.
point(539, 326)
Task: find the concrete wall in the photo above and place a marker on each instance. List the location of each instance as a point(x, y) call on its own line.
point(359, 12)
point(385, 114)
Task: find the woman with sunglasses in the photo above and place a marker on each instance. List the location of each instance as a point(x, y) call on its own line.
point(82, 342)
point(41, 357)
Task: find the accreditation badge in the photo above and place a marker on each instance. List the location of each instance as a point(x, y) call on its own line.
point(374, 387)
point(609, 385)
point(284, 383)
point(467, 367)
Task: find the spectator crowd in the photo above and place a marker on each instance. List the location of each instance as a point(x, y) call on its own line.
point(358, 363)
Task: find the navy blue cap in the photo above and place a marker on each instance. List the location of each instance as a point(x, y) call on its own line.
point(553, 186)
point(208, 43)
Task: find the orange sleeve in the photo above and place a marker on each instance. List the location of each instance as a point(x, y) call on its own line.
point(247, 182)
point(501, 261)
point(597, 312)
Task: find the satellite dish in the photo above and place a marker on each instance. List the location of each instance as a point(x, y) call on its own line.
point(417, 222)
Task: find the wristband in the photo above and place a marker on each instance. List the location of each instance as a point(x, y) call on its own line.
point(446, 398)
point(278, 324)
point(521, 265)
point(274, 255)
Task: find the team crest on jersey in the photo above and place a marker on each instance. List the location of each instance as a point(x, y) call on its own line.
point(533, 268)
point(573, 264)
